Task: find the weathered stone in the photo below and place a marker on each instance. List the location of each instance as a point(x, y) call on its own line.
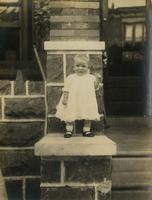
point(55, 125)
point(5, 87)
point(69, 63)
point(19, 86)
point(50, 171)
point(73, 11)
point(56, 145)
point(19, 163)
point(36, 87)
point(69, 26)
point(104, 196)
point(96, 64)
point(33, 191)
point(100, 100)
point(14, 189)
point(53, 96)
point(55, 68)
point(24, 108)
point(20, 133)
point(0, 108)
point(68, 193)
point(87, 170)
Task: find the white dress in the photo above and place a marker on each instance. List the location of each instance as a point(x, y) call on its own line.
point(82, 102)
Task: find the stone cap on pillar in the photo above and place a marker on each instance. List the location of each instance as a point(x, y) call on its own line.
point(74, 45)
point(57, 145)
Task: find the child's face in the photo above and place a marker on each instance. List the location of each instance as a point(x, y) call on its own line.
point(81, 68)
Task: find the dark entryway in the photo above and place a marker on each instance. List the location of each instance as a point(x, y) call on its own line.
point(125, 34)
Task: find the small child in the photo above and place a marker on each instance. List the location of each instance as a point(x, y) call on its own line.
point(78, 101)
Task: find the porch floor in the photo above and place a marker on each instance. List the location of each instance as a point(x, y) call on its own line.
point(133, 135)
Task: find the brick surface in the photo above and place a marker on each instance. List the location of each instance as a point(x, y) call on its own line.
point(55, 68)
point(33, 189)
point(50, 171)
point(36, 87)
point(87, 170)
point(68, 193)
point(5, 87)
point(55, 125)
point(24, 108)
point(20, 134)
point(53, 97)
point(19, 163)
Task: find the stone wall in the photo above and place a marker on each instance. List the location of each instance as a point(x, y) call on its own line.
point(80, 178)
point(22, 113)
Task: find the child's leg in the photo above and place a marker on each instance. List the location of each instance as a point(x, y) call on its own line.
point(86, 129)
point(69, 126)
point(87, 125)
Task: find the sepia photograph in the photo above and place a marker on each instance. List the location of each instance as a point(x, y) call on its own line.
point(75, 99)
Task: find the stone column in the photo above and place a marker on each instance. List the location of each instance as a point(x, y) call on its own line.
point(75, 169)
point(78, 168)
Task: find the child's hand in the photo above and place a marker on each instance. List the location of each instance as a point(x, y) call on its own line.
point(64, 101)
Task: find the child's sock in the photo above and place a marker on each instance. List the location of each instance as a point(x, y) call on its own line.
point(87, 126)
point(69, 126)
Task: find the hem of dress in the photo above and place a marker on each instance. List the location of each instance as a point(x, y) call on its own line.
point(72, 120)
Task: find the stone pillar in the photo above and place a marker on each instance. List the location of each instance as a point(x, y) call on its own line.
point(77, 168)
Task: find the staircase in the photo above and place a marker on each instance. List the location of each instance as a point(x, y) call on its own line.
point(132, 167)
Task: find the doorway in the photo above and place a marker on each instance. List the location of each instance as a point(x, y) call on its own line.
point(125, 36)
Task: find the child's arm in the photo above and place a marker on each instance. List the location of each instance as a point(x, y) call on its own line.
point(65, 97)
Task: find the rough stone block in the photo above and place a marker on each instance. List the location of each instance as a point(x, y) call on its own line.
point(55, 125)
point(33, 191)
point(5, 87)
point(20, 134)
point(87, 171)
point(14, 189)
point(36, 87)
point(96, 64)
point(53, 95)
point(50, 171)
point(0, 108)
point(57, 145)
point(55, 68)
point(104, 196)
point(100, 100)
point(68, 193)
point(18, 108)
point(69, 63)
point(19, 163)
point(19, 86)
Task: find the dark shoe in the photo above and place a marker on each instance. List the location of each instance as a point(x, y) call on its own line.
point(68, 134)
point(88, 134)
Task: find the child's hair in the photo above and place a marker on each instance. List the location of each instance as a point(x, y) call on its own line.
point(81, 58)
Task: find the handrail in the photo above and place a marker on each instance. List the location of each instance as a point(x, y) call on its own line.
point(39, 62)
